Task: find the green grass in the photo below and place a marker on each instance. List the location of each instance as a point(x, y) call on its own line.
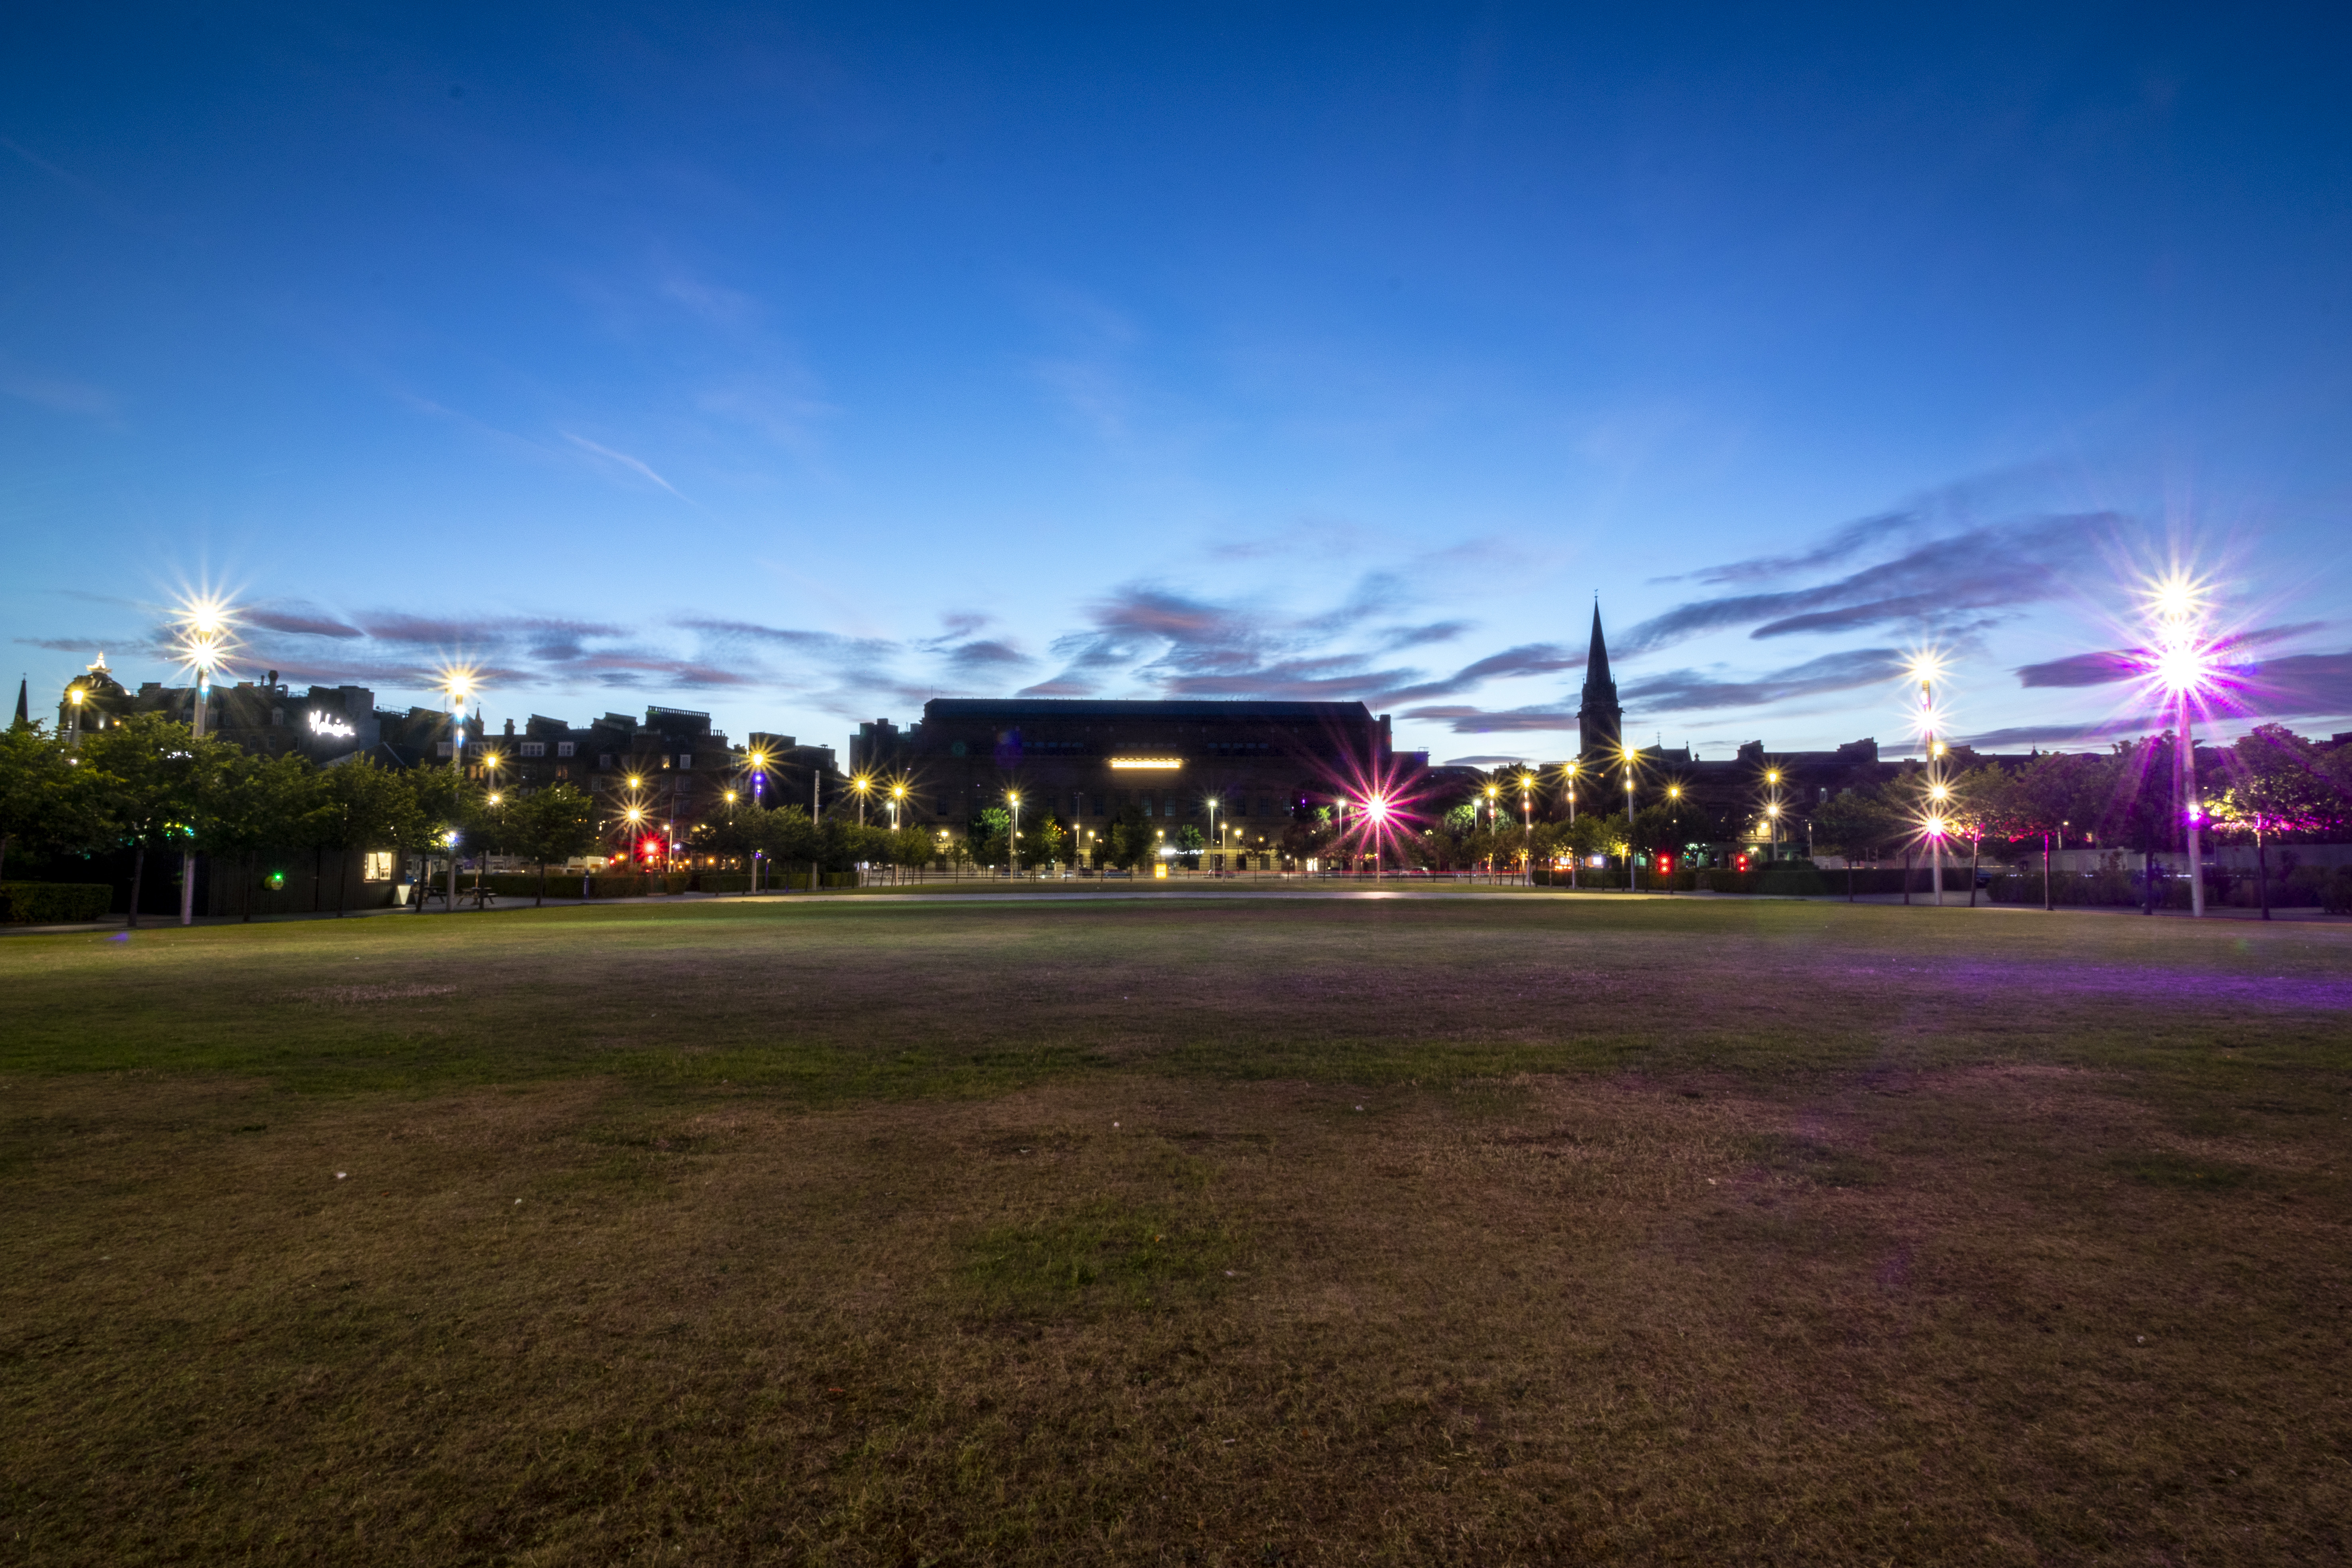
point(1523, 1230)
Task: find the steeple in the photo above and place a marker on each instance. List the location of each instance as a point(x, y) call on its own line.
point(1596, 662)
point(1599, 721)
point(23, 715)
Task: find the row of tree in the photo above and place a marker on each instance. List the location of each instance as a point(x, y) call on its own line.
point(149, 785)
point(2272, 784)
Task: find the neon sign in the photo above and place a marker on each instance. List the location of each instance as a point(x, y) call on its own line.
point(327, 725)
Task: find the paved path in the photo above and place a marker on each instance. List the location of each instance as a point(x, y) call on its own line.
point(882, 898)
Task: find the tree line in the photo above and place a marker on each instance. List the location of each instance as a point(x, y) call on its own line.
point(151, 785)
point(2273, 786)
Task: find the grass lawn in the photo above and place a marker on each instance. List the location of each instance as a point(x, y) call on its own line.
point(1511, 1229)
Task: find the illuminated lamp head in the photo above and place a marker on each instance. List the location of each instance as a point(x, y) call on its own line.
point(2176, 598)
point(2184, 668)
point(1938, 827)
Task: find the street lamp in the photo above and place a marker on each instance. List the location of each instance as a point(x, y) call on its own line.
point(1924, 668)
point(457, 684)
point(1575, 769)
point(2182, 664)
point(1213, 833)
point(1012, 845)
point(897, 798)
point(204, 649)
point(1628, 756)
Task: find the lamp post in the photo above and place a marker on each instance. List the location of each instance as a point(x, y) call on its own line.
point(2183, 665)
point(1217, 847)
point(457, 684)
point(1527, 830)
point(481, 860)
point(1573, 768)
point(1674, 795)
point(862, 783)
point(1012, 844)
point(204, 629)
point(1926, 669)
point(1633, 870)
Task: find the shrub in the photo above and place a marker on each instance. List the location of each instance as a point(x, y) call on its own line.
point(54, 903)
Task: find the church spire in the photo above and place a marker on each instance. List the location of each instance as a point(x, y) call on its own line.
point(1596, 661)
point(23, 715)
point(1600, 722)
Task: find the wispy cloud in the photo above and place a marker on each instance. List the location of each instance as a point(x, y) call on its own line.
point(1697, 692)
point(1980, 573)
point(634, 465)
point(57, 393)
point(1465, 720)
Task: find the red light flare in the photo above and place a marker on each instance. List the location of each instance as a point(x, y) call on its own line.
point(1384, 808)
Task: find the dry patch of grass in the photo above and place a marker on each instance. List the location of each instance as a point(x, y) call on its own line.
point(1938, 1316)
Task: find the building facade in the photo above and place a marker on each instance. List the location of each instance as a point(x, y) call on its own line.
point(1238, 772)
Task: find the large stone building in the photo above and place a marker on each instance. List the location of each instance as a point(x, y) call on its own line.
point(1238, 770)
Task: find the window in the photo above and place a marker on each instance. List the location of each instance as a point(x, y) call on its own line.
point(441, 749)
point(685, 758)
point(1147, 805)
point(604, 760)
point(563, 748)
point(1098, 805)
point(533, 748)
point(377, 868)
point(562, 772)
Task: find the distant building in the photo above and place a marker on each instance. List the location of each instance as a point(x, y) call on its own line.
point(1089, 761)
point(671, 763)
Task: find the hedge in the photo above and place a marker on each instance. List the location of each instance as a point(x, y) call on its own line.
point(54, 903)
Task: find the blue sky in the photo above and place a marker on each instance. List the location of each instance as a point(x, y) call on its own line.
point(801, 364)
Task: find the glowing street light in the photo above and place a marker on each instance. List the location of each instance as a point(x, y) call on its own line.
point(1012, 845)
point(1925, 668)
point(2182, 663)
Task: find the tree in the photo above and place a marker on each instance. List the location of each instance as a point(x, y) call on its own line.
point(1189, 843)
point(911, 846)
point(40, 803)
point(440, 802)
point(2276, 786)
point(246, 804)
point(1983, 803)
point(552, 824)
point(2140, 811)
point(785, 834)
point(367, 804)
point(145, 775)
point(992, 835)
